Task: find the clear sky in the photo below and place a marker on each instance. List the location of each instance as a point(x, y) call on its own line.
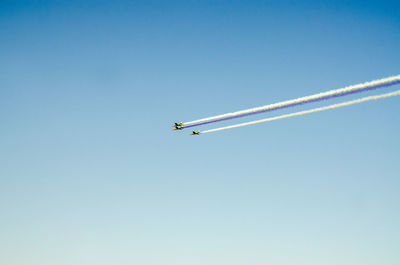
point(91, 173)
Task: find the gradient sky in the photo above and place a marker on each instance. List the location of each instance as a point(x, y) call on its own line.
point(91, 172)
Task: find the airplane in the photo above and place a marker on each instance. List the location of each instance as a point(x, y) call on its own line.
point(178, 124)
point(195, 133)
point(178, 128)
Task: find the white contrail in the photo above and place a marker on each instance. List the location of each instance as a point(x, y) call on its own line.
point(353, 88)
point(334, 106)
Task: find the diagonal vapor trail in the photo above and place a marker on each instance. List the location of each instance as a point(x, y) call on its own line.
point(384, 82)
point(334, 106)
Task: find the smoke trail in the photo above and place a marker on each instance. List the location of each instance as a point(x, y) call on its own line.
point(334, 106)
point(297, 104)
point(385, 82)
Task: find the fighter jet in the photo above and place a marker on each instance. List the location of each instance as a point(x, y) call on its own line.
point(195, 133)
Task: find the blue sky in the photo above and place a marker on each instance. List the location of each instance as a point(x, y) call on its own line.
point(92, 174)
